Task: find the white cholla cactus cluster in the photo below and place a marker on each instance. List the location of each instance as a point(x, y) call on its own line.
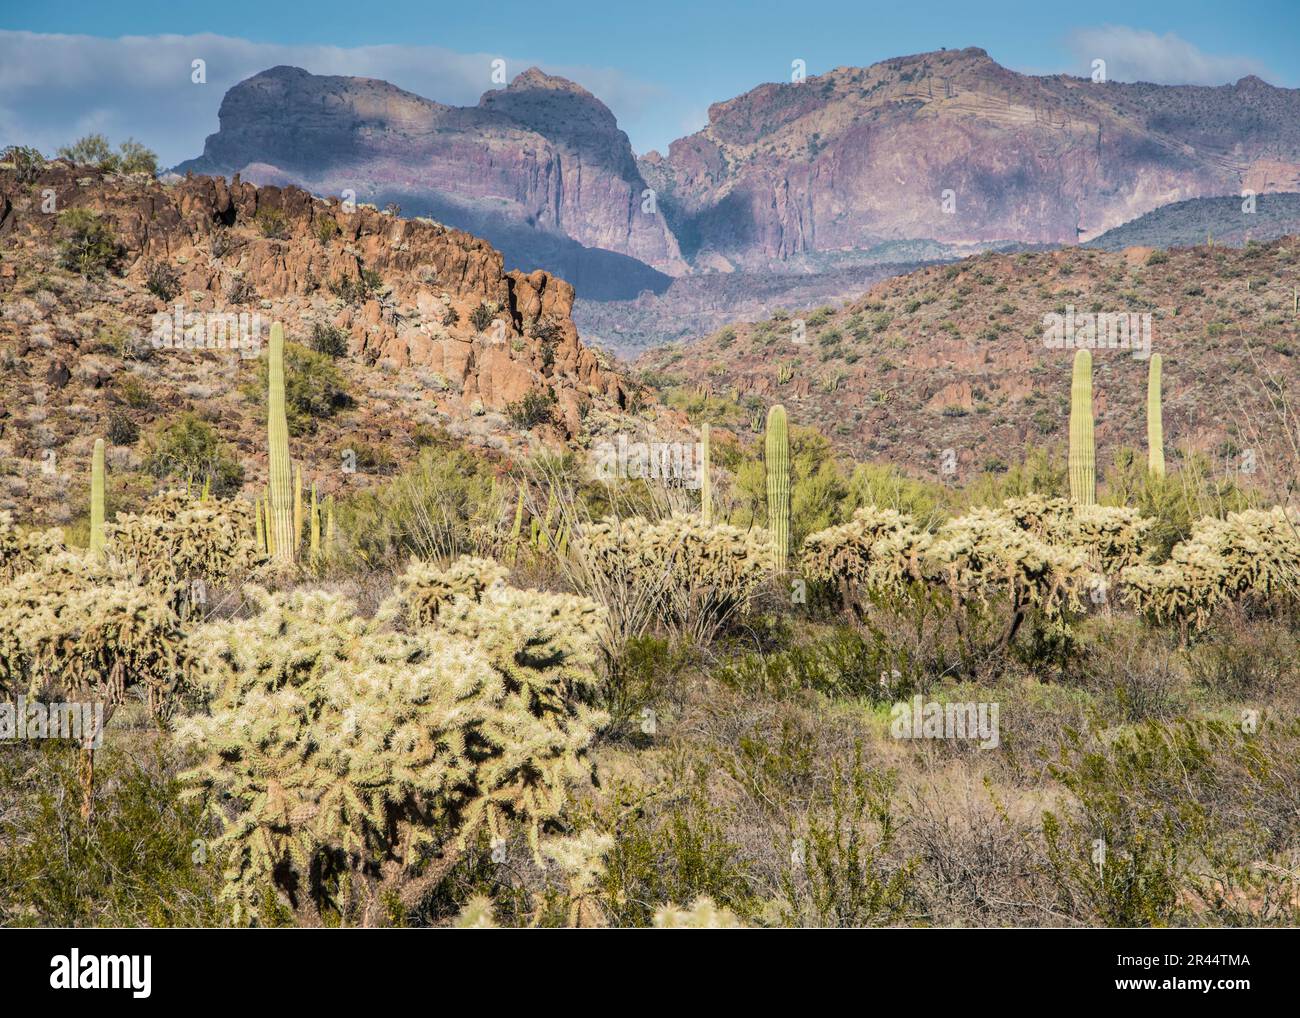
point(984, 554)
point(691, 569)
point(1255, 552)
point(178, 538)
point(347, 756)
point(22, 550)
point(81, 629)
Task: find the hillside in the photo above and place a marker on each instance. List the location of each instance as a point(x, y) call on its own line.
point(1201, 220)
point(953, 357)
point(427, 333)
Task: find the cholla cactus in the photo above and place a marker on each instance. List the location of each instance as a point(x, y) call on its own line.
point(777, 459)
point(425, 588)
point(80, 630)
point(1083, 456)
point(176, 539)
point(22, 550)
point(690, 576)
point(983, 555)
point(1254, 553)
point(1110, 536)
point(1155, 424)
point(358, 760)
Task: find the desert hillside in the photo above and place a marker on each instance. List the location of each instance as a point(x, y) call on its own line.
point(407, 328)
point(954, 357)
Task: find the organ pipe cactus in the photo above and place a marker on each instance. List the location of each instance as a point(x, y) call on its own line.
point(1083, 457)
point(97, 500)
point(777, 458)
point(1155, 424)
point(706, 482)
point(283, 544)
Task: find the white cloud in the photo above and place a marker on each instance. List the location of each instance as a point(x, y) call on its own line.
point(1134, 54)
point(55, 88)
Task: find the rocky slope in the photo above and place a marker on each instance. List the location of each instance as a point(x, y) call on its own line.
point(1207, 220)
point(439, 337)
point(860, 155)
point(954, 358)
point(539, 167)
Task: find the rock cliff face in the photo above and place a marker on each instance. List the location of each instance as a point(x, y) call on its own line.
point(861, 155)
point(540, 164)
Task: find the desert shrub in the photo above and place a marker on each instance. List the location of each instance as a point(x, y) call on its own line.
point(356, 289)
point(326, 229)
point(241, 290)
point(1240, 658)
point(94, 150)
point(190, 448)
point(87, 243)
point(27, 162)
point(441, 506)
point(272, 223)
point(314, 388)
point(840, 663)
point(847, 876)
point(1174, 823)
point(536, 406)
point(457, 728)
point(133, 391)
point(329, 339)
point(162, 280)
point(482, 316)
point(140, 863)
point(122, 430)
point(670, 845)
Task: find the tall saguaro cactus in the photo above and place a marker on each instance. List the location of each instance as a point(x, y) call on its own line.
point(1083, 456)
point(97, 500)
point(706, 480)
point(283, 543)
point(777, 458)
point(1155, 422)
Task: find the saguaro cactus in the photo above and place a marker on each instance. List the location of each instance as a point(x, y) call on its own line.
point(329, 528)
point(1155, 424)
point(284, 546)
point(777, 457)
point(297, 504)
point(97, 500)
point(706, 481)
point(1083, 457)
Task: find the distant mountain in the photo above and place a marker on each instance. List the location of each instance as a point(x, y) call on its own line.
point(539, 168)
point(857, 156)
point(1224, 220)
point(790, 189)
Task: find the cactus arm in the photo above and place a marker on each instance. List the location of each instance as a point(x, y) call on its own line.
point(1083, 456)
point(281, 470)
point(706, 481)
point(97, 500)
point(1155, 421)
point(777, 456)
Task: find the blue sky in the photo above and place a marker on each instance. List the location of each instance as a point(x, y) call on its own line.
point(123, 68)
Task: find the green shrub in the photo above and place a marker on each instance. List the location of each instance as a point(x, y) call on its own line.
point(329, 339)
point(87, 242)
point(191, 449)
point(314, 388)
point(535, 408)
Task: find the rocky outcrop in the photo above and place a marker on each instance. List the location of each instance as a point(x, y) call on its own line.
point(408, 293)
point(537, 162)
